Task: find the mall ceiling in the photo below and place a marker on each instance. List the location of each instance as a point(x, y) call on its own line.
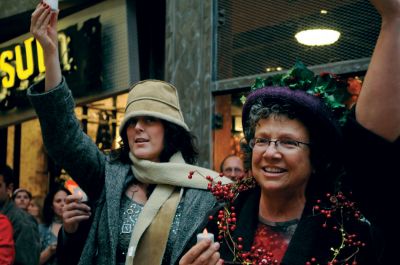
point(15, 15)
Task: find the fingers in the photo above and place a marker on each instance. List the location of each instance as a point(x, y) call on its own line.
point(210, 257)
point(54, 18)
point(41, 18)
point(74, 210)
point(75, 215)
point(35, 15)
point(74, 207)
point(73, 198)
point(195, 252)
point(203, 253)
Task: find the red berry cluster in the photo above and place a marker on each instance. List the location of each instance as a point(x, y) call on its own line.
point(226, 220)
point(336, 209)
point(226, 192)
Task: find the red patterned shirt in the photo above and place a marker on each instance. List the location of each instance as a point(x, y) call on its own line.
point(274, 237)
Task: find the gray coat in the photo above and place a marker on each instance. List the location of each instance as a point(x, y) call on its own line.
point(102, 178)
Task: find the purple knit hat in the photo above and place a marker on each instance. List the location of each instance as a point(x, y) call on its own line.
point(304, 103)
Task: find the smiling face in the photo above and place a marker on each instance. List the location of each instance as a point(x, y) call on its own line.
point(285, 172)
point(22, 200)
point(145, 137)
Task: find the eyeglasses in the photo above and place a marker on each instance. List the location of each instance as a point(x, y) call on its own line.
point(284, 145)
point(229, 170)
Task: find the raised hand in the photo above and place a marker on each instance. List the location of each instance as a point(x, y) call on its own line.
point(74, 212)
point(44, 27)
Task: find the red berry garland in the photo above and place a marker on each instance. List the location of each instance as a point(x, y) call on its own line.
point(337, 208)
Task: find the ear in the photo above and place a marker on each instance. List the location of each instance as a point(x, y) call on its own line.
point(10, 189)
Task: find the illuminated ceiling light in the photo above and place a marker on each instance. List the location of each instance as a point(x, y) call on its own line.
point(273, 69)
point(324, 12)
point(317, 37)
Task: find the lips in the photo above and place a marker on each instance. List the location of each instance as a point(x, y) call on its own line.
point(141, 140)
point(274, 170)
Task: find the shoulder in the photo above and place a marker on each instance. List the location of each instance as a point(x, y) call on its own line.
point(116, 169)
point(19, 215)
point(196, 200)
point(199, 195)
point(22, 222)
point(5, 224)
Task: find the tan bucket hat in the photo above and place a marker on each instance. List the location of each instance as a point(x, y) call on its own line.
point(154, 98)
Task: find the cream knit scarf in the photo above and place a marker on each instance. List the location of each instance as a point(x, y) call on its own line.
point(167, 176)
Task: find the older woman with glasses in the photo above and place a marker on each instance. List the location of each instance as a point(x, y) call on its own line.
point(295, 150)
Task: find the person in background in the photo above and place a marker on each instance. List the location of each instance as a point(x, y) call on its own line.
point(22, 198)
point(146, 206)
point(77, 219)
point(7, 248)
point(295, 150)
point(35, 208)
point(26, 235)
point(232, 167)
point(52, 222)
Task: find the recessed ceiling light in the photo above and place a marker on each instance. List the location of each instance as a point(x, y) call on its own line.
point(317, 37)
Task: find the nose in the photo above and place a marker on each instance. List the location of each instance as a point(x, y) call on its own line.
point(139, 125)
point(271, 151)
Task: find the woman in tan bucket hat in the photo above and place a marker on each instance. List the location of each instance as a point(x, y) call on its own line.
point(146, 206)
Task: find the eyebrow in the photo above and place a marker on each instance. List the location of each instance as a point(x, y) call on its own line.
point(284, 135)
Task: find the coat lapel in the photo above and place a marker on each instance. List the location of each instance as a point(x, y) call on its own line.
point(114, 184)
point(309, 240)
point(196, 205)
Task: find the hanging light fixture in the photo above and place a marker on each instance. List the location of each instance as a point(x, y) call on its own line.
point(317, 37)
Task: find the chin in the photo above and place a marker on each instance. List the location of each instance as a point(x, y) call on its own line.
point(144, 156)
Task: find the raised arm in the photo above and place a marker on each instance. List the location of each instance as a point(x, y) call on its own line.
point(378, 107)
point(62, 134)
point(44, 29)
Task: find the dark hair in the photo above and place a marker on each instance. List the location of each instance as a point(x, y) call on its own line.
point(324, 148)
point(48, 212)
point(7, 173)
point(176, 138)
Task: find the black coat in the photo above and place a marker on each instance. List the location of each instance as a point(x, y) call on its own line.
point(309, 240)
